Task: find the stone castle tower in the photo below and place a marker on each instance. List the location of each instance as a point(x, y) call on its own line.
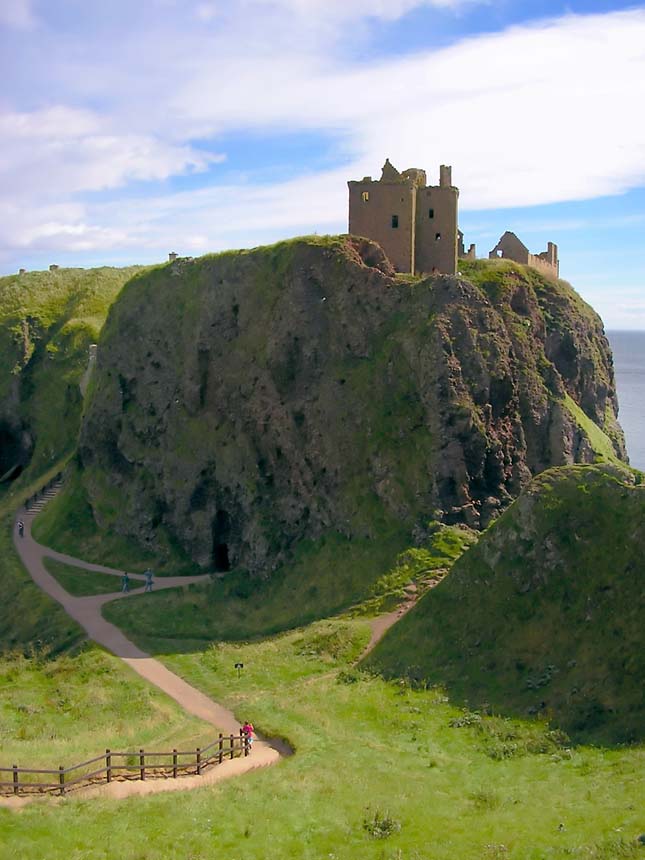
point(414, 223)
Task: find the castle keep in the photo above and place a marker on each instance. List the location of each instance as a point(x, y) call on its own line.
point(414, 223)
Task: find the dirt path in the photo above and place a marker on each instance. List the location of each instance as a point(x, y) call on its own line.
point(87, 612)
point(382, 623)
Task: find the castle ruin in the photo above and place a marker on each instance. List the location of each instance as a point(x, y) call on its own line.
point(414, 223)
point(510, 247)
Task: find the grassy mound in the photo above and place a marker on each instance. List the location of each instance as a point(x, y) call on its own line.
point(545, 614)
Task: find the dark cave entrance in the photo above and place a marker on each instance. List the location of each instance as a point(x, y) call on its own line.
point(221, 531)
point(12, 454)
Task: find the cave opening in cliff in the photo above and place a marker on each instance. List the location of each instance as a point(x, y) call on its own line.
point(12, 454)
point(221, 531)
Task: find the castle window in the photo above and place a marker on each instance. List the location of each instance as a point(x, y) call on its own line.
point(437, 236)
point(395, 221)
point(366, 196)
point(430, 213)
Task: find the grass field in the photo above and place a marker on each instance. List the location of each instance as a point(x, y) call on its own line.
point(73, 707)
point(81, 582)
point(381, 772)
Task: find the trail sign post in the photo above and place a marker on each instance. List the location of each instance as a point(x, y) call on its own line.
point(239, 667)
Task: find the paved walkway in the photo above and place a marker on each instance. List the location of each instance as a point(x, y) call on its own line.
point(87, 612)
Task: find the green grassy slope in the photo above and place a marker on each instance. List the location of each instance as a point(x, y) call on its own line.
point(335, 573)
point(47, 321)
point(81, 582)
point(363, 747)
point(29, 620)
point(545, 614)
point(75, 706)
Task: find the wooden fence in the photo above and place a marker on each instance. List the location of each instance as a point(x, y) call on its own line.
point(134, 765)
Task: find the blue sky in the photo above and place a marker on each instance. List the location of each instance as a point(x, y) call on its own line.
point(131, 129)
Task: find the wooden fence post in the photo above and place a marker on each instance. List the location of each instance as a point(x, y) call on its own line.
point(15, 779)
point(198, 760)
point(61, 778)
point(108, 765)
point(142, 764)
point(221, 747)
point(174, 764)
point(232, 745)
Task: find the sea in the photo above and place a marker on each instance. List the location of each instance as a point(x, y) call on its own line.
point(628, 348)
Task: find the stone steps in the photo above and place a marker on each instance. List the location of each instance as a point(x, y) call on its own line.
point(43, 498)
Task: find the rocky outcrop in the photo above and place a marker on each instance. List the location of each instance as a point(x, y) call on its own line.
point(252, 400)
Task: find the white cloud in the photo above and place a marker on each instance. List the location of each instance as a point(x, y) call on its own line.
point(388, 10)
point(206, 11)
point(531, 115)
point(61, 150)
point(17, 14)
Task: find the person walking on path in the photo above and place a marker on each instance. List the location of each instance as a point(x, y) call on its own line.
point(21, 528)
point(247, 731)
point(148, 575)
point(125, 583)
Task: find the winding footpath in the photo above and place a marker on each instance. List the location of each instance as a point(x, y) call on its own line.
point(87, 612)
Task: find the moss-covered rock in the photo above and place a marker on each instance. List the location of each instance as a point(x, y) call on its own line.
point(248, 401)
point(47, 321)
point(545, 614)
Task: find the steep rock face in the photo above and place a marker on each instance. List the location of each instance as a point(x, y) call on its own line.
point(251, 400)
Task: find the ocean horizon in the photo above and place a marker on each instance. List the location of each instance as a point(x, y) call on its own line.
point(628, 348)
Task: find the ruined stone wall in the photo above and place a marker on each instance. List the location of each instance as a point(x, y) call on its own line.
point(510, 247)
point(373, 218)
point(543, 265)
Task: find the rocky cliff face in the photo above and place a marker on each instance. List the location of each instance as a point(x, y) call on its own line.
point(249, 401)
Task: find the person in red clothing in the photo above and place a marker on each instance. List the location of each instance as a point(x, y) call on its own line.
point(247, 730)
